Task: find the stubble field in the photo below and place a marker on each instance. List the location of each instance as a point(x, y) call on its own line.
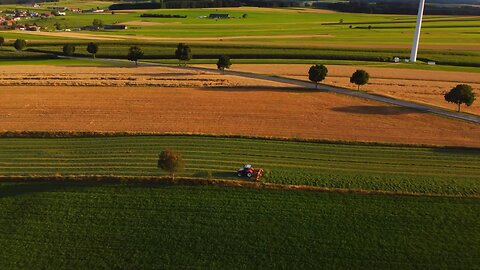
point(118, 99)
point(423, 86)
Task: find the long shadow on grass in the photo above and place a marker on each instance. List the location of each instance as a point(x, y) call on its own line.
point(473, 152)
point(17, 188)
point(382, 110)
point(225, 175)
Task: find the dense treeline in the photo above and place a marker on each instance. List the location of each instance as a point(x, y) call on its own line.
point(146, 15)
point(205, 4)
point(455, 2)
point(176, 4)
point(24, 1)
point(399, 7)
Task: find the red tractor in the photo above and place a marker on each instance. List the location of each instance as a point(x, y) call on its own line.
point(248, 171)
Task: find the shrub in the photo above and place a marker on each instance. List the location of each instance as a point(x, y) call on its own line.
point(69, 49)
point(20, 44)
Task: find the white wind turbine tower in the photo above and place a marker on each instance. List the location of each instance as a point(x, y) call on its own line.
point(416, 38)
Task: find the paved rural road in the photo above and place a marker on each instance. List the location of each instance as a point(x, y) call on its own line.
point(333, 89)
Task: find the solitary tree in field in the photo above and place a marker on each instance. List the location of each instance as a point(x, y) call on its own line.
point(68, 49)
point(223, 63)
point(92, 48)
point(317, 73)
point(170, 161)
point(20, 44)
point(98, 23)
point(134, 53)
point(2, 41)
point(360, 77)
point(183, 53)
point(461, 94)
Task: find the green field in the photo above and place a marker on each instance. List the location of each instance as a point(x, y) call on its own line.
point(375, 206)
point(241, 52)
point(270, 34)
point(453, 30)
point(82, 225)
point(359, 167)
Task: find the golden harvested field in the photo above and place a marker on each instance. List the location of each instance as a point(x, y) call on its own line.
point(421, 86)
point(120, 77)
point(267, 112)
point(159, 99)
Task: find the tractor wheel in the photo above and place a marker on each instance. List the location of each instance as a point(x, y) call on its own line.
point(239, 174)
point(249, 174)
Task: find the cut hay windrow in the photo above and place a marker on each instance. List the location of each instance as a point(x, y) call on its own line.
point(366, 167)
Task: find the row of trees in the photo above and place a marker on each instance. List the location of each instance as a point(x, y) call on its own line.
point(397, 7)
point(183, 53)
point(19, 44)
point(460, 94)
point(318, 73)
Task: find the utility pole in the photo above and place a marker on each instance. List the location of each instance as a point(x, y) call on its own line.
point(416, 38)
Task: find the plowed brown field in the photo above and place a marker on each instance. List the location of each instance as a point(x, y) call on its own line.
point(263, 112)
point(423, 86)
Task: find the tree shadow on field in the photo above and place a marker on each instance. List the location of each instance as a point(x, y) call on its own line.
point(18, 188)
point(224, 175)
point(293, 89)
point(464, 151)
point(171, 74)
point(381, 110)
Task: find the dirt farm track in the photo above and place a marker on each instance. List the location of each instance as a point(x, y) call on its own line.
point(236, 108)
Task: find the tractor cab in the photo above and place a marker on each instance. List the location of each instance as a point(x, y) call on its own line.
point(247, 170)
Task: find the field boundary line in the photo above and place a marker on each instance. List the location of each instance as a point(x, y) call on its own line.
point(168, 181)
point(96, 134)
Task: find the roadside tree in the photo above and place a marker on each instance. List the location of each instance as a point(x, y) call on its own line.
point(92, 48)
point(461, 94)
point(98, 23)
point(183, 53)
point(20, 44)
point(223, 63)
point(317, 73)
point(135, 53)
point(360, 77)
point(68, 49)
point(170, 161)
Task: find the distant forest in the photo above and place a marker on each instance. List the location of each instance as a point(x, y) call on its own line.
point(206, 4)
point(441, 7)
point(466, 2)
point(24, 1)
